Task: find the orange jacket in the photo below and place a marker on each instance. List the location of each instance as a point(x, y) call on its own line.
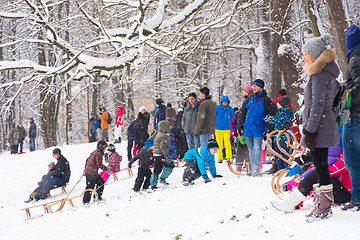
point(103, 118)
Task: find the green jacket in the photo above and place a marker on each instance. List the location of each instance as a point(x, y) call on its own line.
point(162, 139)
point(206, 118)
point(21, 133)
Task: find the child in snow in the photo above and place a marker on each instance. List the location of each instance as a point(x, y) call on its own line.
point(284, 115)
point(169, 164)
point(195, 163)
point(145, 157)
point(92, 165)
point(161, 151)
point(114, 162)
point(36, 194)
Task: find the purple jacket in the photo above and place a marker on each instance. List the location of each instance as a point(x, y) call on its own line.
point(233, 123)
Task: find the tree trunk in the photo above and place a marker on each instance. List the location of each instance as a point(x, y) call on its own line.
point(310, 9)
point(338, 28)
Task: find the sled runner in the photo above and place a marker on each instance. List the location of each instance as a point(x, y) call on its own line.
point(129, 171)
point(48, 207)
point(292, 142)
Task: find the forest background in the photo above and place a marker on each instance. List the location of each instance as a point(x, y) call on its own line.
point(62, 59)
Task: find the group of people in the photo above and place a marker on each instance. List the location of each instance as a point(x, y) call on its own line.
point(197, 124)
point(17, 136)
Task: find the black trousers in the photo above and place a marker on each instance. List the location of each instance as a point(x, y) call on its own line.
point(341, 194)
point(191, 171)
point(159, 162)
point(319, 157)
point(142, 173)
point(93, 181)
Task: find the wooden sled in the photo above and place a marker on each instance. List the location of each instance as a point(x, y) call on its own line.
point(48, 207)
point(129, 172)
point(63, 190)
point(231, 168)
point(292, 142)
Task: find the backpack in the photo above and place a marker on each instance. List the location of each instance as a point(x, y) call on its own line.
point(109, 119)
point(341, 105)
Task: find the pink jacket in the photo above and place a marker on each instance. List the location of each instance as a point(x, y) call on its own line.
point(114, 161)
point(338, 170)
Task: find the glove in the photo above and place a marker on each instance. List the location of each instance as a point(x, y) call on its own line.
point(109, 172)
point(309, 140)
point(243, 140)
point(293, 171)
point(206, 178)
point(217, 176)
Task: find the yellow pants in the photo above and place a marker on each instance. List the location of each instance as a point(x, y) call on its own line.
point(221, 136)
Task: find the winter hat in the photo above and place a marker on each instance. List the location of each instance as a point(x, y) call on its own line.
point(168, 105)
point(192, 95)
point(225, 98)
point(284, 101)
point(316, 46)
point(57, 151)
point(101, 145)
point(111, 147)
point(149, 142)
point(352, 38)
point(205, 91)
point(247, 88)
point(159, 101)
point(51, 165)
point(282, 92)
point(141, 108)
point(259, 83)
point(212, 144)
point(236, 109)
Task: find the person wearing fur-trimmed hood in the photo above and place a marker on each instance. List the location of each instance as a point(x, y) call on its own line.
point(319, 123)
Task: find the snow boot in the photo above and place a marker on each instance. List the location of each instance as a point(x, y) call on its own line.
point(325, 197)
point(30, 199)
point(351, 206)
point(187, 183)
point(288, 204)
point(162, 181)
point(273, 168)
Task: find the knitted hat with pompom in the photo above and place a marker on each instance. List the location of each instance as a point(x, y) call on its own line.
point(316, 46)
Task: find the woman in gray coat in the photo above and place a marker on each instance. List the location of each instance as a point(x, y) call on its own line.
point(319, 123)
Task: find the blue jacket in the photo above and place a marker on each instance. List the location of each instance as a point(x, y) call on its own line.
point(223, 115)
point(160, 114)
point(252, 115)
point(97, 123)
point(206, 156)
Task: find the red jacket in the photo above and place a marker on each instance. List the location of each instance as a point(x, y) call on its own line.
point(94, 162)
point(338, 170)
point(119, 119)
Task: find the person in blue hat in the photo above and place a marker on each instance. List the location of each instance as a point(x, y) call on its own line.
point(224, 113)
point(145, 157)
point(351, 131)
point(196, 160)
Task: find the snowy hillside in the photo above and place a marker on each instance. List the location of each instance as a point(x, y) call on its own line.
point(228, 208)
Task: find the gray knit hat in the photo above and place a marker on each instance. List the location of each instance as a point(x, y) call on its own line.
point(316, 46)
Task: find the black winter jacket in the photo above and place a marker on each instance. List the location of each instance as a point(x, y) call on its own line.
point(145, 157)
point(32, 130)
point(352, 81)
point(62, 169)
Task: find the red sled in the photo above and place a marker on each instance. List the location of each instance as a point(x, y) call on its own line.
point(19, 153)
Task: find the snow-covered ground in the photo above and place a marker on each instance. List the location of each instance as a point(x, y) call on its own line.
point(227, 208)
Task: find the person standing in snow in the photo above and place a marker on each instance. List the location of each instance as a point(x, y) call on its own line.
point(13, 139)
point(119, 122)
point(224, 113)
point(92, 137)
point(189, 121)
point(141, 127)
point(320, 128)
point(196, 160)
point(103, 116)
point(251, 123)
point(160, 112)
point(161, 151)
point(145, 156)
point(206, 118)
point(93, 179)
point(170, 114)
point(21, 136)
point(351, 133)
point(32, 135)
